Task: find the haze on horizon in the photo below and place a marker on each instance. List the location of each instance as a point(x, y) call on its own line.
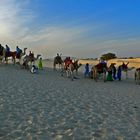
point(82, 28)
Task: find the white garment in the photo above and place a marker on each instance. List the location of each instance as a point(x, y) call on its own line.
point(33, 70)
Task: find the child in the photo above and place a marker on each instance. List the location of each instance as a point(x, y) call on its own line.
point(40, 66)
point(34, 69)
point(119, 73)
point(86, 70)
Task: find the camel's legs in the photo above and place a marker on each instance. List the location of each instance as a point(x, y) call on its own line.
point(71, 75)
point(68, 73)
point(95, 75)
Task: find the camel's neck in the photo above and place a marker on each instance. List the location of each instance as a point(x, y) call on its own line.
point(24, 52)
point(76, 66)
point(37, 57)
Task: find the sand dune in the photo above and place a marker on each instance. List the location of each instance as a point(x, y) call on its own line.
point(46, 106)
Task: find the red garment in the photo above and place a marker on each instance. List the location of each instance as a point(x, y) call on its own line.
point(67, 61)
point(99, 66)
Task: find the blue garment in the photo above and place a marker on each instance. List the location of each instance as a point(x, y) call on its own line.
point(119, 73)
point(86, 70)
point(7, 49)
point(103, 62)
point(18, 50)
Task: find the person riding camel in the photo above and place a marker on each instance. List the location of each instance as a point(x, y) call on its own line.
point(101, 65)
point(31, 55)
point(18, 52)
point(58, 57)
point(1, 49)
point(67, 61)
point(7, 50)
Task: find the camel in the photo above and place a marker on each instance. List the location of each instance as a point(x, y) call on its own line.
point(30, 59)
point(69, 69)
point(14, 55)
point(126, 69)
point(97, 70)
point(57, 60)
point(2, 53)
point(137, 76)
point(21, 55)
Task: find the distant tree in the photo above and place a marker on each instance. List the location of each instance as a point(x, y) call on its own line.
point(108, 56)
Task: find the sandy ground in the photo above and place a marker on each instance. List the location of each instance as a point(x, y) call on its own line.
point(46, 106)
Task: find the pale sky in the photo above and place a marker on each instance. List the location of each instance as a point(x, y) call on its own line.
point(79, 28)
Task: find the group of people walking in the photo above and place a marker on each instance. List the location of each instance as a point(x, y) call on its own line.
point(113, 73)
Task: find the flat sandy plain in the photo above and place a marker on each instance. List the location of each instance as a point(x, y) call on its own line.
point(47, 106)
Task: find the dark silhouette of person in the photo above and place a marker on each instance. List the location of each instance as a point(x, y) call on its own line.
point(18, 52)
point(1, 49)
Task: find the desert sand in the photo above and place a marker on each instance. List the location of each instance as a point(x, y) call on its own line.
point(47, 106)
